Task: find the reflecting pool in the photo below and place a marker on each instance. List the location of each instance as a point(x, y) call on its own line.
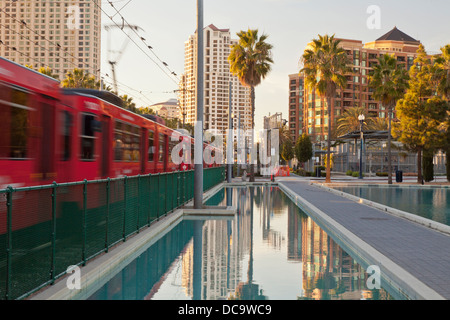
point(270, 250)
point(430, 203)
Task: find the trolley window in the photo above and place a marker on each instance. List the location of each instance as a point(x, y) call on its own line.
point(162, 147)
point(66, 129)
point(151, 146)
point(15, 115)
point(127, 142)
point(89, 126)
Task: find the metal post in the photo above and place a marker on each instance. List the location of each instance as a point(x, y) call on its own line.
point(198, 147)
point(84, 221)
point(124, 209)
point(108, 183)
point(361, 119)
point(9, 203)
point(230, 153)
point(239, 145)
point(52, 271)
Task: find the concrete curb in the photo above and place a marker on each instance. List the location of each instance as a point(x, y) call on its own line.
point(437, 226)
point(397, 277)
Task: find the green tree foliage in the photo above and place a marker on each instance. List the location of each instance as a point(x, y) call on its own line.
point(48, 72)
point(389, 80)
point(128, 103)
point(303, 148)
point(78, 78)
point(287, 150)
point(325, 65)
point(420, 112)
point(250, 60)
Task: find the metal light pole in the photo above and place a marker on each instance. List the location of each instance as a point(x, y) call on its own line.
point(239, 145)
point(198, 147)
point(230, 153)
point(361, 119)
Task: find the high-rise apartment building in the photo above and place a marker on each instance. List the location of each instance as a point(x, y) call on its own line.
point(217, 80)
point(62, 35)
point(308, 113)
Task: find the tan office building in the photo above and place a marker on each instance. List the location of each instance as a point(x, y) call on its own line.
point(217, 77)
point(62, 35)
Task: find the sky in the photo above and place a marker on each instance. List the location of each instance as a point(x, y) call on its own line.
point(290, 25)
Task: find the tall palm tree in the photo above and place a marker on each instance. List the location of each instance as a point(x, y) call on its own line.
point(250, 60)
point(78, 78)
point(389, 80)
point(325, 65)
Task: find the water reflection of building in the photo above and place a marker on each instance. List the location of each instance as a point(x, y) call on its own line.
point(328, 271)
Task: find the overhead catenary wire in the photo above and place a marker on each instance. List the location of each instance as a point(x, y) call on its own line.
point(143, 40)
point(135, 43)
point(57, 53)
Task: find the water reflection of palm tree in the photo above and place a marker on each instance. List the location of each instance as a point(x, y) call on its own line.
point(249, 290)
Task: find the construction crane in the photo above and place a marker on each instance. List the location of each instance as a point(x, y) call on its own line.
point(114, 61)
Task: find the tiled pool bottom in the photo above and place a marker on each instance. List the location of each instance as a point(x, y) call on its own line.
point(270, 250)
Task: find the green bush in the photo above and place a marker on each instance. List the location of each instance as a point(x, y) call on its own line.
point(355, 174)
point(349, 172)
point(382, 174)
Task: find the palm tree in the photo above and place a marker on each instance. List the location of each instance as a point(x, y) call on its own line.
point(78, 78)
point(250, 60)
point(378, 124)
point(48, 72)
point(349, 122)
point(325, 65)
point(389, 80)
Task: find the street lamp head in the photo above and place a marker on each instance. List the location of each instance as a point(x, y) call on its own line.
point(361, 117)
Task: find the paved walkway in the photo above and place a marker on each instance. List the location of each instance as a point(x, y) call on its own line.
point(412, 249)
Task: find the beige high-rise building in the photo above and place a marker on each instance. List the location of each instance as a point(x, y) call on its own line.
point(217, 77)
point(60, 34)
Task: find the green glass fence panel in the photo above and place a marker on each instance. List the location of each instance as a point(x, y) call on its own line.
point(153, 198)
point(132, 206)
point(31, 241)
point(96, 218)
point(144, 203)
point(68, 246)
point(116, 211)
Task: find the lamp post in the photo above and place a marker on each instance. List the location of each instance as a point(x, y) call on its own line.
point(198, 134)
point(361, 119)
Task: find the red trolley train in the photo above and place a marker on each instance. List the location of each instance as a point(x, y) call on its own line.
point(64, 135)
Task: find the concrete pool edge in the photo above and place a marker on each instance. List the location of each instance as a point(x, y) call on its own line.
point(103, 268)
point(437, 226)
point(397, 277)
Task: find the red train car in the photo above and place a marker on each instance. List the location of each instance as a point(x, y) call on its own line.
point(64, 135)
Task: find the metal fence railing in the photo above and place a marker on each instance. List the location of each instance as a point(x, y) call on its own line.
point(46, 229)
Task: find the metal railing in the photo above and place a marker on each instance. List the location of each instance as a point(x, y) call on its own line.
point(46, 229)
